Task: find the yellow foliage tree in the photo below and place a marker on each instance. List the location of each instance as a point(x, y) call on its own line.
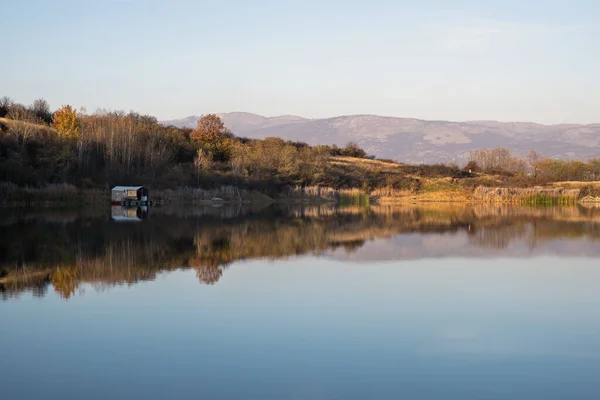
point(66, 123)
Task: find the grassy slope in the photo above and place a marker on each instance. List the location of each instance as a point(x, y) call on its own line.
point(427, 189)
point(38, 127)
point(462, 189)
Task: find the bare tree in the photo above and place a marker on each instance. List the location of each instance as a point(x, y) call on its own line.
point(22, 131)
point(41, 109)
point(202, 162)
point(157, 155)
point(533, 159)
point(498, 159)
point(19, 112)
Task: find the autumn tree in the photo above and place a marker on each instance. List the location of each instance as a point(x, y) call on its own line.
point(65, 281)
point(212, 135)
point(66, 123)
point(553, 170)
point(210, 129)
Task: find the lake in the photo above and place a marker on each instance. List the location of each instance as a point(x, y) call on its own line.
point(284, 302)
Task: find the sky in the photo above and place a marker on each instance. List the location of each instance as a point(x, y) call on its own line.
point(506, 60)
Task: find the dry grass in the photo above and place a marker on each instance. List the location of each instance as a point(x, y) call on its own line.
point(49, 195)
point(536, 195)
point(430, 190)
point(576, 184)
point(391, 193)
point(39, 127)
point(367, 163)
point(590, 200)
point(310, 194)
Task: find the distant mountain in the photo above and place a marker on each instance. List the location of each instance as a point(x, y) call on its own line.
point(188, 122)
point(238, 121)
point(418, 141)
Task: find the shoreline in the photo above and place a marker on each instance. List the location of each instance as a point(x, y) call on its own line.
point(435, 191)
point(532, 196)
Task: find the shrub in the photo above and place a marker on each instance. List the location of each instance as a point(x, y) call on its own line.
point(352, 149)
point(472, 167)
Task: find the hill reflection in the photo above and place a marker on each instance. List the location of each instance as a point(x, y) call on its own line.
point(64, 250)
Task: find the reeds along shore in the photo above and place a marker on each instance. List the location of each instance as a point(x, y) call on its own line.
point(69, 196)
point(528, 196)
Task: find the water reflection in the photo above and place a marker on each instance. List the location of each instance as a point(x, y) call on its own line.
point(128, 214)
point(63, 250)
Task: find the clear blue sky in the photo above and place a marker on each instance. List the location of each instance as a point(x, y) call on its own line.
point(506, 60)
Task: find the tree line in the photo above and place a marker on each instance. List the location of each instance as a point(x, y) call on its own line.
point(104, 148)
point(533, 166)
point(108, 147)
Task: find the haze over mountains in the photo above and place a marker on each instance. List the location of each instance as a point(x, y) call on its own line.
point(417, 141)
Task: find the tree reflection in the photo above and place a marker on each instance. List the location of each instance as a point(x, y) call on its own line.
point(38, 251)
point(208, 274)
point(65, 281)
point(497, 236)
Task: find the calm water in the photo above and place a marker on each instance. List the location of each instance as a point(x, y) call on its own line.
point(284, 303)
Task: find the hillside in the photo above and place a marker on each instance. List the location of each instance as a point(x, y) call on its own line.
point(418, 141)
point(24, 128)
point(51, 163)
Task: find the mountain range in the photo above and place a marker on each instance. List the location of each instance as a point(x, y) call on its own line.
point(417, 141)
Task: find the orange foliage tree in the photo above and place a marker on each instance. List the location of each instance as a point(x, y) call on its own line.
point(210, 129)
point(66, 123)
point(212, 135)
